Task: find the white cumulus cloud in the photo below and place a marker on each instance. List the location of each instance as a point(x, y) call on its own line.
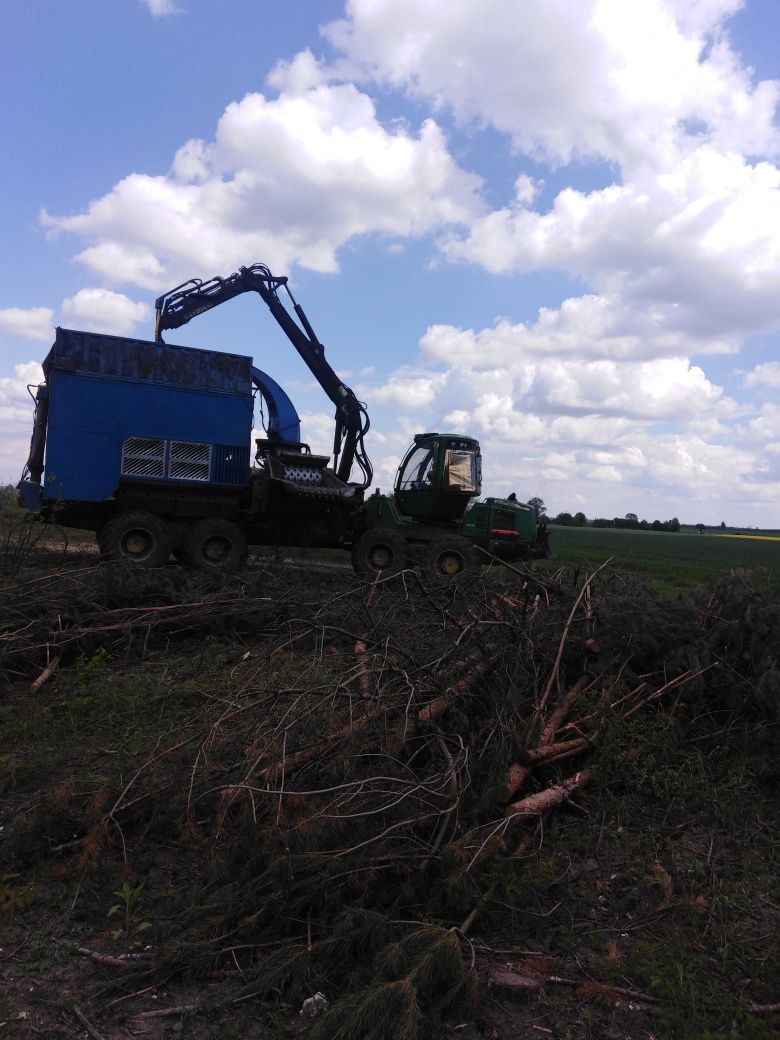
point(689, 253)
point(680, 243)
point(287, 180)
point(602, 78)
point(27, 323)
point(101, 310)
point(16, 415)
point(766, 375)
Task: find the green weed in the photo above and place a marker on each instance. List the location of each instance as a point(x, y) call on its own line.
point(128, 896)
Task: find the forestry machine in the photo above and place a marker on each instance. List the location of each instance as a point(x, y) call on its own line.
point(146, 443)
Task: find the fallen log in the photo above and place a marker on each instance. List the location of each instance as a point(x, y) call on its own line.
point(540, 802)
point(47, 673)
point(519, 772)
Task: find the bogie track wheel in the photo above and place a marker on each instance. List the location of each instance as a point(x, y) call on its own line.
point(214, 545)
point(451, 557)
point(381, 550)
point(135, 537)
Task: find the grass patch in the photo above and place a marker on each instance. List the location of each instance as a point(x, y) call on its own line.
point(671, 562)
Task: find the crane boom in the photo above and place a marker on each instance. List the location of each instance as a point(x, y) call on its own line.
point(186, 301)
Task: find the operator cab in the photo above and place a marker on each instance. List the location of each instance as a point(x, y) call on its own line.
point(439, 475)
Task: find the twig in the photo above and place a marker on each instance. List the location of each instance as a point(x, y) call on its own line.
point(86, 1023)
point(529, 838)
point(559, 713)
point(46, 674)
point(472, 915)
point(102, 958)
point(129, 996)
point(564, 636)
point(566, 748)
point(360, 655)
point(598, 989)
point(180, 1009)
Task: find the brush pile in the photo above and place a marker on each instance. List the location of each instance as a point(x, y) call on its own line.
point(377, 758)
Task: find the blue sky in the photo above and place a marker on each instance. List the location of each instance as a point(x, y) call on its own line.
point(552, 225)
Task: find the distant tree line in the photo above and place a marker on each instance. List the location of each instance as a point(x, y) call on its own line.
point(630, 521)
point(567, 520)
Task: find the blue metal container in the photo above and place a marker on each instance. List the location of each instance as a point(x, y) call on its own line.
point(131, 408)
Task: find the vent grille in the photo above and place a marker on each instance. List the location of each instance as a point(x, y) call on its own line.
point(303, 474)
point(189, 461)
point(143, 457)
point(185, 460)
point(504, 518)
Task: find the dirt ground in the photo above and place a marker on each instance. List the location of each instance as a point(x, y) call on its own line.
point(219, 798)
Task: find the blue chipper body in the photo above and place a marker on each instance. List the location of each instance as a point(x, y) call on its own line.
point(127, 408)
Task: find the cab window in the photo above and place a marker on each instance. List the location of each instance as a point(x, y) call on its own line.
point(461, 470)
point(418, 470)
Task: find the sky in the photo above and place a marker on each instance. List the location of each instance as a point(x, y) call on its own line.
point(553, 225)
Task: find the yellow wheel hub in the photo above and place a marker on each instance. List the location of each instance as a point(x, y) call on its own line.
point(450, 564)
point(136, 543)
point(216, 549)
point(381, 557)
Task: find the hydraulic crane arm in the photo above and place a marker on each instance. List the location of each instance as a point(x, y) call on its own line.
point(177, 307)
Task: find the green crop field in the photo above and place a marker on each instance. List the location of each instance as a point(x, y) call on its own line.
point(669, 561)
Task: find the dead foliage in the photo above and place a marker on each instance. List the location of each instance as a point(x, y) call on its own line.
point(378, 756)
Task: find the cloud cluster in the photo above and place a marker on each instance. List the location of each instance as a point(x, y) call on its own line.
point(288, 179)
point(655, 435)
point(677, 249)
point(600, 78)
point(765, 376)
point(685, 255)
point(643, 154)
point(681, 244)
point(500, 393)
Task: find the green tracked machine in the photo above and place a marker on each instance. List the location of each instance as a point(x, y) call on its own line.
point(430, 518)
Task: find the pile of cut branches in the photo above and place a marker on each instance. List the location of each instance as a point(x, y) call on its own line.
point(379, 756)
point(64, 614)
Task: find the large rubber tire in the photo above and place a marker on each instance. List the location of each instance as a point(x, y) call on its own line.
point(381, 550)
point(135, 537)
point(214, 545)
point(451, 557)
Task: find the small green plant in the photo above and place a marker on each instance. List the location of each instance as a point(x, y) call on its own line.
point(13, 896)
point(128, 896)
point(88, 667)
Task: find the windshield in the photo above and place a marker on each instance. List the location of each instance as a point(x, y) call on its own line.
point(418, 470)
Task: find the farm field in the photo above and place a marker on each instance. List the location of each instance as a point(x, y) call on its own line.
point(669, 561)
